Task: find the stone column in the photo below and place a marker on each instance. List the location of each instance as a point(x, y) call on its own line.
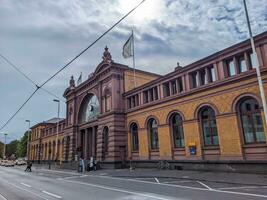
point(94, 143)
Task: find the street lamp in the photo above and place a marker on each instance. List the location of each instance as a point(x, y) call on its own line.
point(4, 156)
point(58, 107)
point(255, 57)
point(28, 143)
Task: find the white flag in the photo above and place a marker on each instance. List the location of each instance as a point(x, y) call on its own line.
point(79, 81)
point(128, 48)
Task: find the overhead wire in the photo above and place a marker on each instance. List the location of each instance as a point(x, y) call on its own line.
point(71, 61)
point(27, 77)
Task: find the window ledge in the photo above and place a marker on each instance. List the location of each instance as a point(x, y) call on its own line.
point(211, 148)
point(178, 148)
point(154, 150)
point(253, 145)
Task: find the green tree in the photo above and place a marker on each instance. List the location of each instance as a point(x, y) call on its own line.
point(22, 146)
point(11, 148)
point(1, 149)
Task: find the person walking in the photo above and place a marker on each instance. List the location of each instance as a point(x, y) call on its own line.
point(29, 166)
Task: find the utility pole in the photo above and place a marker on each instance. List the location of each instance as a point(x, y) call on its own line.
point(28, 143)
point(4, 156)
point(255, 57)
point(58, 107)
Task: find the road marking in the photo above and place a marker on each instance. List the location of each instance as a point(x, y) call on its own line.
point(177, 181)
point(27, 190)
point(243, 187)
point(57, 171)
point(157, 180)
point(182, 186)
point(2, 197)
point(26, 185)
point(51, 194)
point(69, 177)
point(119, 190)
point(206, 186)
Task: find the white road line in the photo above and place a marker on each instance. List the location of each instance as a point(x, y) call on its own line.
point(157, 180)
point(178, 182)
point(206, 186)
point(185, 187)
point(51, 194)
point(2, 197)
point(69, 177)
point(120, 190)
point(58, 171)
point(243, 187)
point(26, 185)
point(27, 191)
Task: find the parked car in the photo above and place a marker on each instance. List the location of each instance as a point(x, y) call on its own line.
point(10, 163)
point(3, 162)
point(20, 162)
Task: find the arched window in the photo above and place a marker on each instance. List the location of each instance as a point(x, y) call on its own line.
point(105, 139)
point(176, 123)
point(209, 127)
point(252, 126)
point(89, 109)
point(153, 134)
point(134, 137)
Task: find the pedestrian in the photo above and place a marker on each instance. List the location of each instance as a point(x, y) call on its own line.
point(95, 164)
point(91, 164)
point(81, 165)
point(28, 166)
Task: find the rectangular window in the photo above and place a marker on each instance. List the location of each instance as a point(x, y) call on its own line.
point(129, 102)
point(180, 85)
point(137, 99)
point(230, 67)
point(173, 87)
point(166, 89)
point(253, 61)
point(203, 77)
point(242, 67)
point(151, 95)
point(133, 102)
point(211, 74)
point(156, 95)
point(194, 80)
point(145, 96)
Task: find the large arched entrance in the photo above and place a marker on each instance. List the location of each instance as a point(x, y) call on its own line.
point(87, 120)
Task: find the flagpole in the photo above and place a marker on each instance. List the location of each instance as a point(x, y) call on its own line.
point(260, 83)
point(134, 60)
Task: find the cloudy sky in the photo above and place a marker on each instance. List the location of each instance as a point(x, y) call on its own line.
point(41, 36)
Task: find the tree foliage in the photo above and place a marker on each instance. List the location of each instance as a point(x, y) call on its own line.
point(17, 148)
point(1, 149)
point(22, 146)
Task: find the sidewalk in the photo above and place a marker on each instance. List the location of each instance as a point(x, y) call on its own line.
point(219, 177)
point(216, 177)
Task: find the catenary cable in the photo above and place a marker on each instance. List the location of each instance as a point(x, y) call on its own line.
point(27, 77)
point(71, 61)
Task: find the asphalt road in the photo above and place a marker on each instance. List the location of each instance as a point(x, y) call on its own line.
point(15, 184)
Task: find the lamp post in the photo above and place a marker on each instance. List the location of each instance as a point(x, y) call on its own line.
point(255, 57)
point(28, 143)
point(58, 107)
point(4, 156)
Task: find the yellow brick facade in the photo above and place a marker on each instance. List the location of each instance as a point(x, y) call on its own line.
point(222, 99)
